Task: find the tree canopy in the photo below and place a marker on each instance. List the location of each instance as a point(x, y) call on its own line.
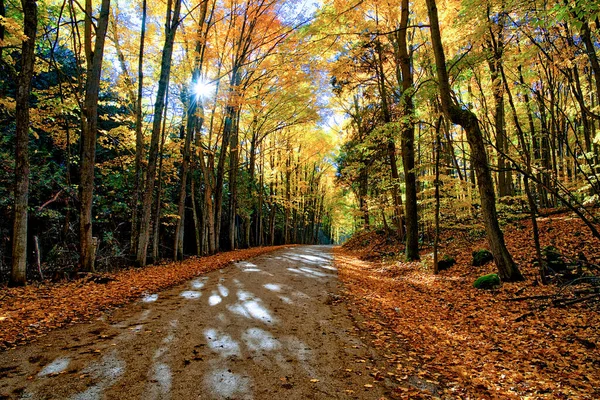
point(173, 128)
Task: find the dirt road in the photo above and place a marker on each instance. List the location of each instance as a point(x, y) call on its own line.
point(268, 328)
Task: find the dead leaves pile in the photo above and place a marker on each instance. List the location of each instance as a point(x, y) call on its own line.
point(440, 331)
point(31, 311)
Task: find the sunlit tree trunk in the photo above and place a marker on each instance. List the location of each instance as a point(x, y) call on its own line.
point(18, 274)
point(90, 128)
point(507, 269)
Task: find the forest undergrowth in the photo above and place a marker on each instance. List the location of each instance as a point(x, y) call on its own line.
point(31, 311)
point(447, 339)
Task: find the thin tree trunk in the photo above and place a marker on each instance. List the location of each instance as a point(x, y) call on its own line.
point(18, 276)
point(436, 240)
point(530, 198)
point(139, 139)
point(179, 228)
point(156, 225)
point(233, 172)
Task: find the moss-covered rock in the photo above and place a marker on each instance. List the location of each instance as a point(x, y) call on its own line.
point(489, 281)
point(446, 262)
point(481, 257)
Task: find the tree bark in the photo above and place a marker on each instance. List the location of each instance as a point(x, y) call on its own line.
point(179, 228)
point(90, 128)
point(172, 22)
point(18, 276)
point(408, 140)
point(139, 138)
point(507, 269)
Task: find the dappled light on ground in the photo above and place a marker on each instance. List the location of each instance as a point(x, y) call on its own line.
point(255, 330)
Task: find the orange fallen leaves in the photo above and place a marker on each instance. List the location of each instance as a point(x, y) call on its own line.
point(27, 312)
point(475, 343)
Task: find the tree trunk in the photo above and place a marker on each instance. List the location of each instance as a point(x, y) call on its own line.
point(172, 22)
point(18, 276)
point(233, 172)
point(436, 240)
point(89, 132)
point(159, 189)
point(408, 140)
point(139, 139)
point(179, 228)
point(507, 269)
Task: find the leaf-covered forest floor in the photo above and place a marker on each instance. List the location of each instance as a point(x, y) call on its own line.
point(446, 338)
point(31, 311)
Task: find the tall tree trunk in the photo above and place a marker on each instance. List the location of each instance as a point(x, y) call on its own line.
point(507, 269)
point(18, 276)
point(172, 22)
point(408, 140)
point(90, 128)
point(139, 139)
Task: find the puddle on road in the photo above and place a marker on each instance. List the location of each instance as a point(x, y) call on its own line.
point(55, 367)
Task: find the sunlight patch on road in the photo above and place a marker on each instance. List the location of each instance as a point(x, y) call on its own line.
point(272, 287)
point(222, 343)
point(251, 307)
point(55, 367)
point(214, 299)
point(314, 272)
point(199, 283)
point(257, 339)
point(162, 380)
point(228, 385)
point(223, 291)
point(190, 294)
point(92, 393)
point(150, 298)
point(108, 371)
